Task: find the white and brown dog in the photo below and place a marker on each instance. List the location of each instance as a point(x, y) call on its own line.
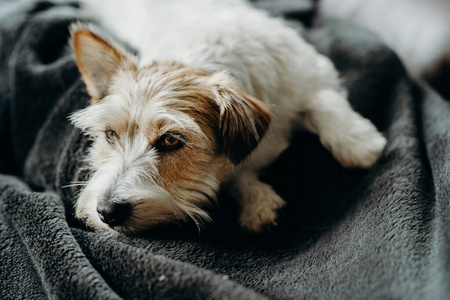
point(214, 97)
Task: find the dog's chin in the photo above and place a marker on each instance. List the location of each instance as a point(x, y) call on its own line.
point(151, 218)
point(136, 229)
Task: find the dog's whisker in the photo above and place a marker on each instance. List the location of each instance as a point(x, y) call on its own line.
point(72, 185)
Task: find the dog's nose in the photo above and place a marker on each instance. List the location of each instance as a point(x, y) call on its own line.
point(113, 213)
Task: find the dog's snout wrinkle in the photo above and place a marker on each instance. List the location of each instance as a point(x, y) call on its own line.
point(113, 214)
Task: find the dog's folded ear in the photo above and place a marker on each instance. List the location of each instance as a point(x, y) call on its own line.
point(98, 59)
point(243, 119)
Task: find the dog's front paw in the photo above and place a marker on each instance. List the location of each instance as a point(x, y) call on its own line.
point(361, 147)
point(92, 221)
point(260, 213)
point(86, 212)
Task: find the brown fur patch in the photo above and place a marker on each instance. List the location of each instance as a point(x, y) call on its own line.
point(242, 121)
point(185, 169)
point(243, 124)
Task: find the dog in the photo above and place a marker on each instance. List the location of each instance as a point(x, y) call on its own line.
point(213, 98)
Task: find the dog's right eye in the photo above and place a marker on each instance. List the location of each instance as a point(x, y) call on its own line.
point(110, 136)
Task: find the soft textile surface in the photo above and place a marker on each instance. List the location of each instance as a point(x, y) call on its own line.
point(381, 233)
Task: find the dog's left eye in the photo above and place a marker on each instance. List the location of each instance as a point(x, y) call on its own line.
point(110, 136)
point(169, 142)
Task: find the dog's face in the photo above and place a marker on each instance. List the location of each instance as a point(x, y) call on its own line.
point(164, 137)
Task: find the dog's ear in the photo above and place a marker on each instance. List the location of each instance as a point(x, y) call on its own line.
point(98, 59)
point(243, 119)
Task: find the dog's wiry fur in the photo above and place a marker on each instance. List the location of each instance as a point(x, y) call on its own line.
point(208, 74)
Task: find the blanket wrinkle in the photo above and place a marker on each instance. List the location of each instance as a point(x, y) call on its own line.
point(346, 234)
point(162, 272)
point(49, 243)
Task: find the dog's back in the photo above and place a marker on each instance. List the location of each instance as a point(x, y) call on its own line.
point(265, 58)
point(172, 29)
point(261, 53)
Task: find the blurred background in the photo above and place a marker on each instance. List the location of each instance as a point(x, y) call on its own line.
point(418, 30)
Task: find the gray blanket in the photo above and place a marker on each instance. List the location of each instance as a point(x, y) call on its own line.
point(376, 234)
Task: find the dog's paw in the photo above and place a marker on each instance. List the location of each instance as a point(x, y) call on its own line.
point(260, 213)
point(87, 213)
point(361, 147)
point(94, 223)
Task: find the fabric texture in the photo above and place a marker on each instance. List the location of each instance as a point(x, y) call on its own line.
point(346, 234)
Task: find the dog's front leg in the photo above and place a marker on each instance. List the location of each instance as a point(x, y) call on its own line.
point(353, 140)
point(258, 202)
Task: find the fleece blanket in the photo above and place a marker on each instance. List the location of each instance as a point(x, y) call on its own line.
point(346, 234)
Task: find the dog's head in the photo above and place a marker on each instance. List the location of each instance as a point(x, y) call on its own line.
point(164, 136)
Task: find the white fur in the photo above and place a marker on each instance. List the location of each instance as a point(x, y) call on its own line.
point(267, 60)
